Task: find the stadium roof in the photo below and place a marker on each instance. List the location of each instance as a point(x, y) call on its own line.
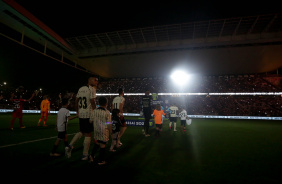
point(239, 45)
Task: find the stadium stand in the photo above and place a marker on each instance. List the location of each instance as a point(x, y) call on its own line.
point(222, 104)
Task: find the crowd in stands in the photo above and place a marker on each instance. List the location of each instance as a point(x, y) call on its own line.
point(224, 105)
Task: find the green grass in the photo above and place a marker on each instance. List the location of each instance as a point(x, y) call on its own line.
point(211, 151)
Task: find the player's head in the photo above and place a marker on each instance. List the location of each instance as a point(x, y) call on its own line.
point(93, 81)
point(115, 112)
point(21, 88)
point(120, 91)
point(20, 92)
point(65, 101)
point(147, 92)
point(158, 107)
point(103, 101)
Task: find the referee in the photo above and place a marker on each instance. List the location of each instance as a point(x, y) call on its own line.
point(146, 103)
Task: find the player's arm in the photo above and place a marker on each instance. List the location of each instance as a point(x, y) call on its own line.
point(56, 127)
point(187, 117)
point(112, 107)
point(121, 107)
point(76, 105)
point(49, 107)
point(42, 105)
point(12, 96)
point(110, 129)
point(33, 94)
point(93, 97)
point(72, 117)
point(93, 103)
point(109, 123)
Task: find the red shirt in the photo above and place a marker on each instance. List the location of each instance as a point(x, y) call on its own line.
point(18, 104)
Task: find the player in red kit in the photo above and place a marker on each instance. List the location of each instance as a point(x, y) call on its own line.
point(18, 109)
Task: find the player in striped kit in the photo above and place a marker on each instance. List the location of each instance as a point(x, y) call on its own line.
point(118, 103)
point(85, 102)
point(102, 123)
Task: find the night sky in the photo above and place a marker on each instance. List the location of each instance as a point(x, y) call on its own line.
point(22, 66)
point(73, 19)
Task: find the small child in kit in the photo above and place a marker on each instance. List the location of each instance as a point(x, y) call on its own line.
point(63, 117)
point(116, 124)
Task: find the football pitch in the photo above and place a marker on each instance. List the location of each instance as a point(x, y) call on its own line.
point(210, 151)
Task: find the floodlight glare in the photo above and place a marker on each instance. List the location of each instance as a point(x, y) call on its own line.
point(179, 77)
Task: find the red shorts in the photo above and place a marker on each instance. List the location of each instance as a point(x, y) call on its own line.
point(17, 114)
point(44, 113)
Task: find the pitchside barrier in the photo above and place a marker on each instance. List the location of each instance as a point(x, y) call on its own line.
point(138, 122)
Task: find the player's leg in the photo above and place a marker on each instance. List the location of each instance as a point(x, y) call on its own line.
point(114, 141)
point(161, 125)
point(12, 123)
point(86, 146)
point(102, 153)
point(87, 128)
point(95, 149)
point(41, 117)
point(170, 123)
point(122, 130)
point(174, 124)
point(21, 122)
point(157, 133)
point(184, 125)
point(76, 137)
point(56, 144)
point(45, 118)
point(67, 146)
point(146, 126)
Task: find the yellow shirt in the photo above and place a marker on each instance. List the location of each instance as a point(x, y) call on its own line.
point(45, 105)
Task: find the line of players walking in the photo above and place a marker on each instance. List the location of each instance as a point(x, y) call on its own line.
point(98, 120)
point(159, 114)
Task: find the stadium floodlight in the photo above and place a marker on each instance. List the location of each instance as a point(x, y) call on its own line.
point(180, 77)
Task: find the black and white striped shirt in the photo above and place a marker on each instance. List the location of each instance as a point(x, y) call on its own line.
point(101, 118)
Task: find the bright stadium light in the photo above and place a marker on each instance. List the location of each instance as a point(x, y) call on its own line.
point(180, 77)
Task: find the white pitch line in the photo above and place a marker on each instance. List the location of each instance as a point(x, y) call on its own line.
point(9, 145)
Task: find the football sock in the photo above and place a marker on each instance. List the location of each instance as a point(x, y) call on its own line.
point(114, 142)
point(54, 148)
point(86, 145)
point(12, 123)
point(102, 154)
point(94, 149)
point(21, 122)
point(75, 138)
point(170, 124)
point(174, 126)
point(66, 144)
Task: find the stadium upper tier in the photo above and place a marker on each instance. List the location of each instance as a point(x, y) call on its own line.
point(212, 47)
point(196, 84)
